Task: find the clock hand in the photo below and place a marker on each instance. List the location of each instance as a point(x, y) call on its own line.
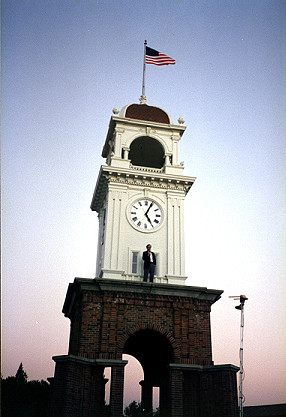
point(149, 219)
point(149, 208)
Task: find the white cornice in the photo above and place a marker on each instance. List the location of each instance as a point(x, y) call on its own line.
point(157, 180)
point(166, 126)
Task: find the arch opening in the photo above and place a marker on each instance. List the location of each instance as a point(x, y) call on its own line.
point(154, 352)
point(133, 374)
point(146, 151)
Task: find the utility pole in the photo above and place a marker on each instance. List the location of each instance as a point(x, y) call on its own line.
point(242, 299)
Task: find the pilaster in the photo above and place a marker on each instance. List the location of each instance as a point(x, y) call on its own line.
point(116, 390)
point(176, 392)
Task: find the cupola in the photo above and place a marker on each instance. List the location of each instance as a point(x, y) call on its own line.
point(143, 137)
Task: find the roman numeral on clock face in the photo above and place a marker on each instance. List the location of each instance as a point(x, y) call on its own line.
point(146, 214)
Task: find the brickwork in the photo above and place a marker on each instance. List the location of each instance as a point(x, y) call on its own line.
point(166, 327)
point(176, 393)
point(192, 394)
point(116, 391)
point(107, 320)
point(210, 392)
point(77, 389)
point(222, 391)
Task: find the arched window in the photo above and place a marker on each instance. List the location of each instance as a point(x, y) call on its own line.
point(146, 151)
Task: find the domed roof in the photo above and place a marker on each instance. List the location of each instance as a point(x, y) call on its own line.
point(145, 112)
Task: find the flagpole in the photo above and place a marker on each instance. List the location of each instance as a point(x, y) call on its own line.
point(143, 99)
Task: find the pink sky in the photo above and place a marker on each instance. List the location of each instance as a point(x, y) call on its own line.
point(65, 66)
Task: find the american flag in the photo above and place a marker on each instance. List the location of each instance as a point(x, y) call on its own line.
point(154, 57)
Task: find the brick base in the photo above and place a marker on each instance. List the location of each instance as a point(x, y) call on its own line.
point(166, 327)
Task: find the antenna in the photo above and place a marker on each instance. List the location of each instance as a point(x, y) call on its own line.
point(242, 299)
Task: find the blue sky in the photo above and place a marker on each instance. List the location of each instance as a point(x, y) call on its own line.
point(65, 66)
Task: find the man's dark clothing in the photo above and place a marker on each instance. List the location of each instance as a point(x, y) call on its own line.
point(149, 265)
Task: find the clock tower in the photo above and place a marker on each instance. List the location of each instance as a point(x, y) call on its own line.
point(139, 196)
point(165, 324)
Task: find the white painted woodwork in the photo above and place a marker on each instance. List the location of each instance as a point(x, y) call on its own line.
point(120, 183)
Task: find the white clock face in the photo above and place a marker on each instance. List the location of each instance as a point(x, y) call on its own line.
point(145, 214)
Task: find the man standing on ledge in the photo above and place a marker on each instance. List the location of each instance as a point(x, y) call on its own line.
point(149, 259)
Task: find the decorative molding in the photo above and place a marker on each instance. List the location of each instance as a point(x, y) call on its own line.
point(157, 180)
point(136, 288)
point(119, 129)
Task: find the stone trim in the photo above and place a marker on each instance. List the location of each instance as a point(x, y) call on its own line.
point(87, 361)
point(105, 284)
point(200, 368)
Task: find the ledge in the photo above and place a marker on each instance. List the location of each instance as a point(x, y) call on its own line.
point(116, 285)
point(200, 368)
point(119, 362)
point(87, 361)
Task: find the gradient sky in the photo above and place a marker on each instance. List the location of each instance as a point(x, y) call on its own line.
point(65, 65)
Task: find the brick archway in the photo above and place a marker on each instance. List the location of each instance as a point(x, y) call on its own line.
point(167, 328)
point(139, 327)
point(155, 353)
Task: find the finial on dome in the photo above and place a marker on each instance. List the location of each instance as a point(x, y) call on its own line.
point(115, 110)
point(181, 120)
point(143, 99)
